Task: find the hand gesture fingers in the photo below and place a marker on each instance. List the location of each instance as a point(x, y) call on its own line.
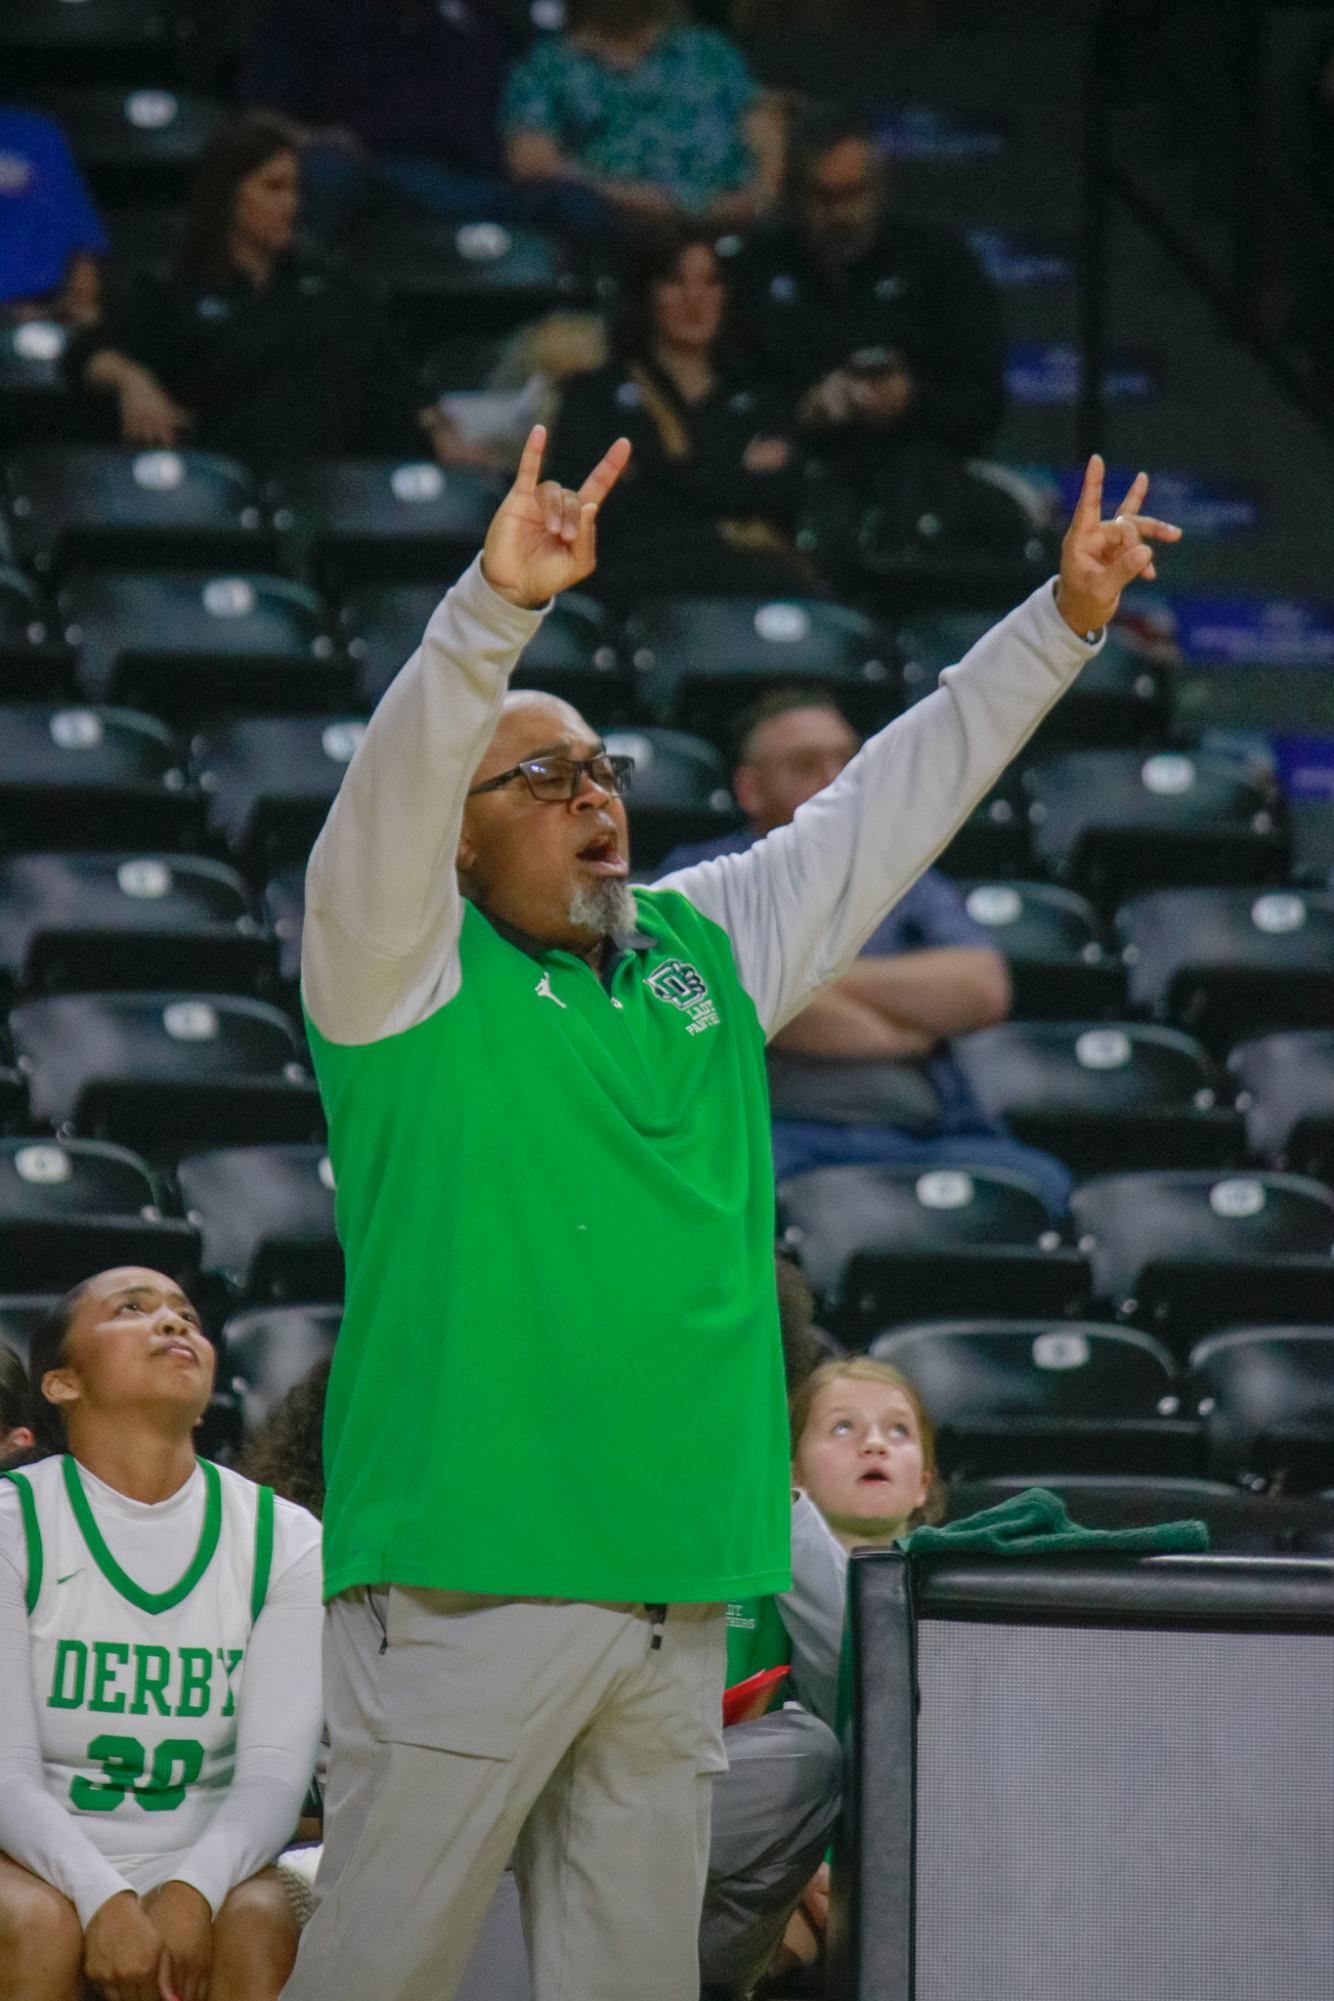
point(542, 540)
point(1099, 558)
point(605, 473)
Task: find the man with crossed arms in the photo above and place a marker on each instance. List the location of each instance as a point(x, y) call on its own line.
point(556, 1441)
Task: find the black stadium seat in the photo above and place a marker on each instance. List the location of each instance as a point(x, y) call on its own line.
point(371, 519)
point(107, 920)
point(45, 37)
point(102, 504)
point(1104, 1095)
point(188, 643)
point(1054, 944)
point(91, 777)
point(574, 652)
point(270, 782)
point(1239, 1524)
point(71, 1209)
point(1016, 1395)
point(996, 839)
point(1119, 698)
point(1286, 1087)
point(35, 661)
point(1266, 1399)
point(884, 1244)
point(475, 278)
point(35, 396)
point(680, 791)
point(169, 1070)
point(267, 1353)
point(135, 144)
point(1231, 962)
point(1187, 1252)
point(266, 1215)
point(699, 659)
point(1111, 822)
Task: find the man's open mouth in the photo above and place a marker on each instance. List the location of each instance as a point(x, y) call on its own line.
point(603, 855)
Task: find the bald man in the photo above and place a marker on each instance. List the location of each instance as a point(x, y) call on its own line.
point(556, 1437)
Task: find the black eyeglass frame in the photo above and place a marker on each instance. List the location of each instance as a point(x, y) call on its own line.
point(622, 771)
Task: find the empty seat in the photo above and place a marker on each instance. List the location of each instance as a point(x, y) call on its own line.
point(995, 839)
point(375, 518)
point(69, 1210)
point(108, 920)
point(103, 504)
point(35, 396)
point(882, 1244)
point(1185, 1252)
point(266, 1214)
point(1120, 697)
point(1104, 1094)
point(1286, 1088)
point(680, 792)
point(1230, 962)
point(189, 644)
point(268, 1352)
point(138, 143)
point(1009, 1395)
point(48, 36)
point(700, 658)
point(1053, 942)
point(1112, 821)
point(271, 780)
point(573, 653)
point(169, 1071)
point(91, 777)
point(1266, 1399)
point(475, 278)
point(35, 660)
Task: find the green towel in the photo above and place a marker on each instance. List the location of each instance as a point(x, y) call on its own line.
point(1037, 1523)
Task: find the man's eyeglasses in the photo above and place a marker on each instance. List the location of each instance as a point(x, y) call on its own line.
point(559, 779)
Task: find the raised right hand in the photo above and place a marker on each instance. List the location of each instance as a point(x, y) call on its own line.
point(123, 1954)
point(148, 416)
point(544, 537)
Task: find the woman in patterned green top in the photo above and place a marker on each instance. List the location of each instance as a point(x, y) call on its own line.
point(647, 114)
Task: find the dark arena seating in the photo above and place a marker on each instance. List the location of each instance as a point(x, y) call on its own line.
point(1085, 1781)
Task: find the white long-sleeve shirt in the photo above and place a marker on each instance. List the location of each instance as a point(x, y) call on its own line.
point(383, 908)
point(278, 1718)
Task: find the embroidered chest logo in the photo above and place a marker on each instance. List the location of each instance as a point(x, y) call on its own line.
point(681, 984)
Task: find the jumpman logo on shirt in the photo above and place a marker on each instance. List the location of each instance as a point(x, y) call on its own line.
point(544, 992)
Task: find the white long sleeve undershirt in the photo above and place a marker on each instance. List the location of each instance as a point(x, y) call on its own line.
point(278, 1716)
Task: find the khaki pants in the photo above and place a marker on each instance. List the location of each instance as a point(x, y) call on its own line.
point(464, 1728)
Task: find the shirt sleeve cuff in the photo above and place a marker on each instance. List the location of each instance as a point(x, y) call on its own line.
point(484, 602)
point(1087, 643)
point(102, 1885)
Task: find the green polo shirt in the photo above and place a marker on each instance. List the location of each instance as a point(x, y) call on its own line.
point(559, 1372)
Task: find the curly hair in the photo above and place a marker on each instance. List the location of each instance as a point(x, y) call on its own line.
point(285, 1451)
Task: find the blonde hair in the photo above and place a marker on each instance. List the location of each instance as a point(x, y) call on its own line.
point(865, 1369)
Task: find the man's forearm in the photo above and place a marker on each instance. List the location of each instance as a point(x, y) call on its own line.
point(940, 992)
point(840, 1026)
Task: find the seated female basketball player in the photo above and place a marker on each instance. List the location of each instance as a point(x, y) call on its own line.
point(159, 1674)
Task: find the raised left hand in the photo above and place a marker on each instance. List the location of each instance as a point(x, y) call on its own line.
point(544, 537)
point(1099, 558)
point(185, 1925)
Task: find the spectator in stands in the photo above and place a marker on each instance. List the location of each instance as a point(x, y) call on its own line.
point(864, 1450)
point(245, 349)
point(639, 115)
point(138, 1582)
point(398, 101)
point(883, 334)
point(713, 485)
point(15, 1410)
point(51, 241)
point(865, 1072)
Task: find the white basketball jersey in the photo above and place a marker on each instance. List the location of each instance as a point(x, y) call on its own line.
point(136, 1692)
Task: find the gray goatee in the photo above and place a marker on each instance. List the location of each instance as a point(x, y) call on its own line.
point(603, 907)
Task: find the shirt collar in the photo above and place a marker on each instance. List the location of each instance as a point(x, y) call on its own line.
point(622, 942)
